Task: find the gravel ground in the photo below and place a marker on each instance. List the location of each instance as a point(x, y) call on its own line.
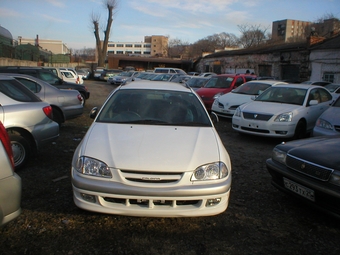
point(259, 220)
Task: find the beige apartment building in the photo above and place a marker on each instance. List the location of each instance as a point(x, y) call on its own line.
point(55, 46)
point(289, 30)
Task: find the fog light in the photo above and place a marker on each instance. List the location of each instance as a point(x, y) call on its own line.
point(88, 198)
point(213, 202)
point(281, 132)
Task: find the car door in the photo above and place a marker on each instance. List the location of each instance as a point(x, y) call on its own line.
point(324, 99)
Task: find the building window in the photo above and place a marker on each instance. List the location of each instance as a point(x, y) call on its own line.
point(138, 46)
point(147, 45)
point(119, 52)
point(120, 45)
point(328, 77)
point(111, 51)
point(128, 52)
point(111, 45)
point(146, 52)
point(128, 45)
point(137, 52)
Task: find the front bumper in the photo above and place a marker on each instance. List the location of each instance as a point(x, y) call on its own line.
point(162, 201)
point(327, 196)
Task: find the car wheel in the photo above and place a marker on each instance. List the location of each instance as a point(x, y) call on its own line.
point(21, 150)
point(300, 130)
point(84, 98)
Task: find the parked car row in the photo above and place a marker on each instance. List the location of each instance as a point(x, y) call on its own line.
point(27, 119)
point(47, 75)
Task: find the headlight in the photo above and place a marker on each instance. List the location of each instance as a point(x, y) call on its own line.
point(218, 95)
point(237, 112)
point(335, 178)
point(93, 167)
point(323, 124)
point(279, 155)
point(213, 171)
point(284, 117)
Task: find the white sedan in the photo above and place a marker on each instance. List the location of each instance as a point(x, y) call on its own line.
point(152, 151)
point(288, 111)
point(225, 105)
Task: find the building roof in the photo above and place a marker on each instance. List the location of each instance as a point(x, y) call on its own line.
point(262, 49)
point(327, 44)
point(5, 33)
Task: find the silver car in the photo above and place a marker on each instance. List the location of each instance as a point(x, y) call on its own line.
point(329, 122)
point(26, 118)
point(66, 103)
point(10, 182)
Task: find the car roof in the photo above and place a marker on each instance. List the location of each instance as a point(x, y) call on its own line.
point(300, 86)
point(270, 82)
point(6, 77)
point(162, 85)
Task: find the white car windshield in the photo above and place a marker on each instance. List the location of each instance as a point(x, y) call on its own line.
point(154, 107)
point(285, 95)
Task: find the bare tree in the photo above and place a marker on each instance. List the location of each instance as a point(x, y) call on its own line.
point(177, 48)
point(252, 35)
point(101, 47)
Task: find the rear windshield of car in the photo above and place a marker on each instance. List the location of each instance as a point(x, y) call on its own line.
point(17, 91)
point(219, 82)
point(154, 107)
point(251, 88)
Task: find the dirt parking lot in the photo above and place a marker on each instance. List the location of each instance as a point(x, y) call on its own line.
point(259, 220)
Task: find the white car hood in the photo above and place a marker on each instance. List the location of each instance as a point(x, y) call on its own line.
point(235, 99)
point(268, 108)
point(151, 148)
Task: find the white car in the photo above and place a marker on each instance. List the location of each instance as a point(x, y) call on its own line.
point(70, 76)
point(225, 105)
point(334, 89)
point(285, 111)
point(152, 151)
point(329, 122)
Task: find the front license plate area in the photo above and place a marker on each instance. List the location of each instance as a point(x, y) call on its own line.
point(299, 189)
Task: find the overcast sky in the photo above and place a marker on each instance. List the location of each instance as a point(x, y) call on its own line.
point(188, 20)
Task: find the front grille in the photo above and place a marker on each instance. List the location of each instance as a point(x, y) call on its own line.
point(149, 203)
point(151, 177)
point(263, 131)
point(256, 116)
point(308, 168)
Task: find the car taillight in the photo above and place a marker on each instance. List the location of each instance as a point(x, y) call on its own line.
point(4, 138)
point(48, 111)
point(80, 98)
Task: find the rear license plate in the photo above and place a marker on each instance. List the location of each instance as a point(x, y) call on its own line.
point(299, 189)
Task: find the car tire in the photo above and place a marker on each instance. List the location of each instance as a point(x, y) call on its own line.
point(300, 130)
point(21, 150)
point(84, 98)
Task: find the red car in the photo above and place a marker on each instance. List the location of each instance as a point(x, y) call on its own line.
point(221, 84)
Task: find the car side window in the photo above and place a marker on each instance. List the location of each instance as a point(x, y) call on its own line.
point(30, 84)
point(239, 81)
point(324, 95)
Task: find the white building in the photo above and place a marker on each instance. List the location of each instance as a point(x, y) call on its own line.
point(155, 45)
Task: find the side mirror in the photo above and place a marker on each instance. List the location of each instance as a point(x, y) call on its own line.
point(214, 117)
point(93, 112)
